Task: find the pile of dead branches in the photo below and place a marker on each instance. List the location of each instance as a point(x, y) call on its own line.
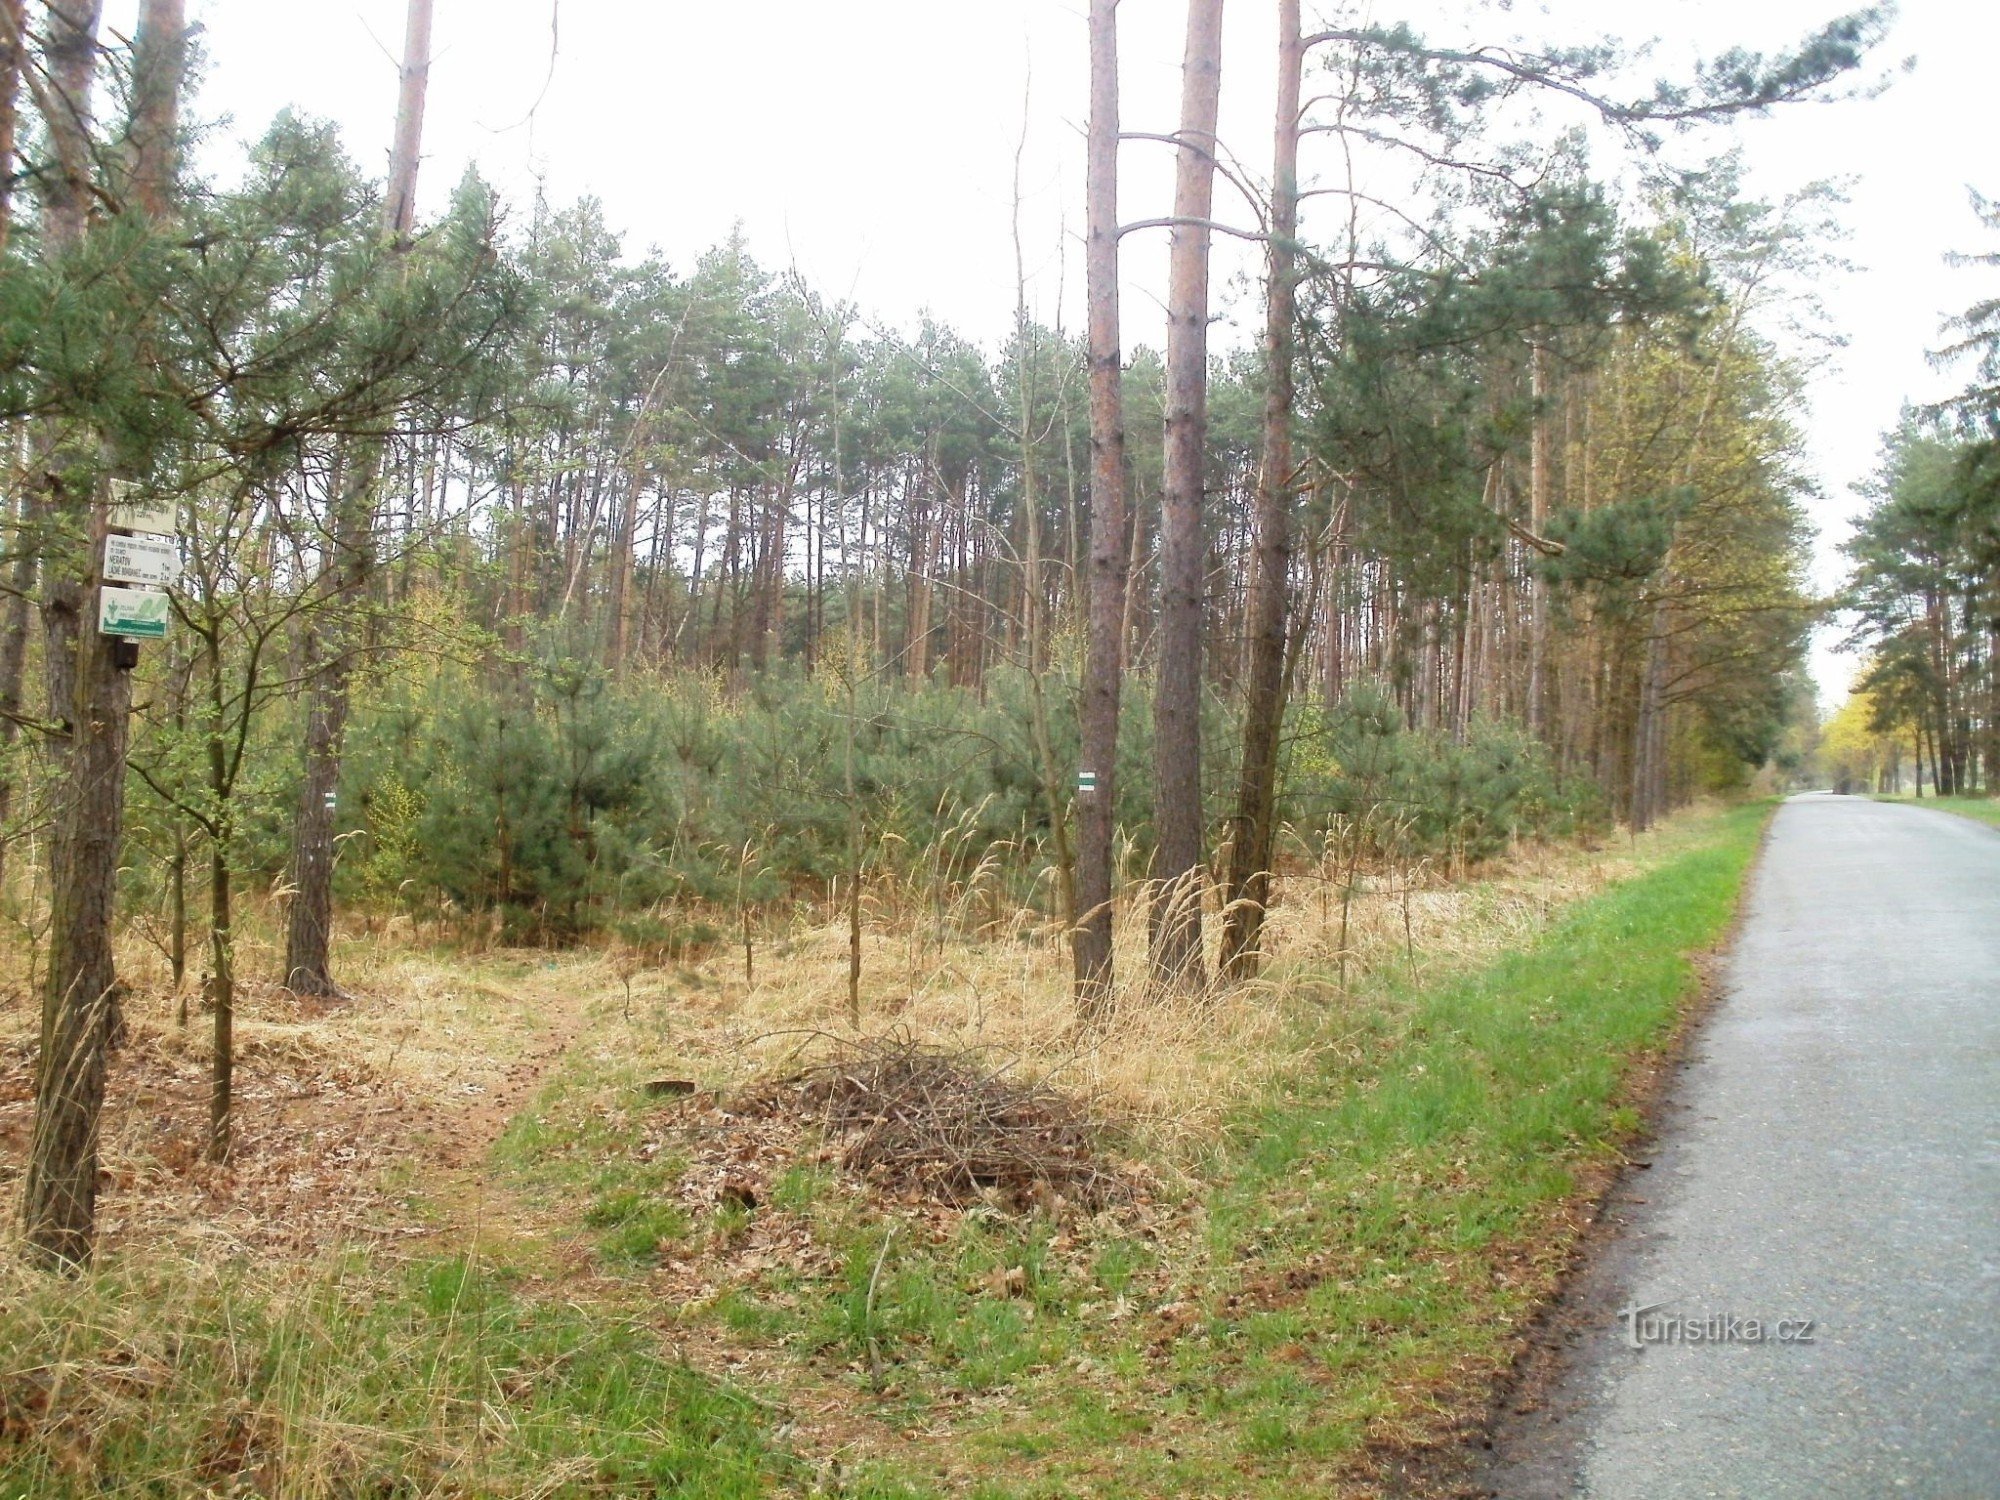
point(946, 1125)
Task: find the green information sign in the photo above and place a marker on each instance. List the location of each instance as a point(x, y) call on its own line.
point(136, 614)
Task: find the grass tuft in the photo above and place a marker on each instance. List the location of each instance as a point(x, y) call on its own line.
point(189, 1380)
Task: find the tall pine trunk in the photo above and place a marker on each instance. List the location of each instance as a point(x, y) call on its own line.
point(1538, 520)
point(1649, 733)
point(15, 612)
point(90, 685)
point(1103, 665)
point(624, 536)
point(1252, 841)
point(309, 930)
point(1034, 625)
point(1177, 818)
point(87, 697)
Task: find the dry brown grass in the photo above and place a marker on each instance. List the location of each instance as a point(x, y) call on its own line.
point(341, 1106)
point(369, 1122)
point(1172, 1063)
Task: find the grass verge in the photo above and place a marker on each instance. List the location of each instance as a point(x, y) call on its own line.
point(1377, 1234)
point(1333, 1290)
point(1979, 809)
point(1325, 1292)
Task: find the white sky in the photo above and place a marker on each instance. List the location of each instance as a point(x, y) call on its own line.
point(872, 142)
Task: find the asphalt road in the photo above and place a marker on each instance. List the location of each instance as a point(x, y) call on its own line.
point(1834, 1155)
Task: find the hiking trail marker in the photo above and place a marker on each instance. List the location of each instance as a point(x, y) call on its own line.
point(135, 614)
point(141, 559)
point(140, 548)
point(131, 511)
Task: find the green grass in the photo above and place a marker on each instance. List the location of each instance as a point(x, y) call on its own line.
point(1369, 1237)
point(1357, 1255)
point(637, 1225)
point(1376, 1232)
point(438, 1378)
point(1979, 809)
point(970, 1315)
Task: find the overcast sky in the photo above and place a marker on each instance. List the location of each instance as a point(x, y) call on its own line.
point(872, 143)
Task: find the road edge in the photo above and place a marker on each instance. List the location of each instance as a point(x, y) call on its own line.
point(1521, 1416)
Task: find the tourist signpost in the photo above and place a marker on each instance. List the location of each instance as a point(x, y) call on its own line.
point(140, 548)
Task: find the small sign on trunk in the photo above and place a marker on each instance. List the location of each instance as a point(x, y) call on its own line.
point(135, 614)
point(141, 559)
point(133, 511)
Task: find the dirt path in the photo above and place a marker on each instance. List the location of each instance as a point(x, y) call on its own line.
point(485, 1120)
point(373, 1120)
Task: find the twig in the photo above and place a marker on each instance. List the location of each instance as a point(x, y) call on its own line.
point(868, 1309)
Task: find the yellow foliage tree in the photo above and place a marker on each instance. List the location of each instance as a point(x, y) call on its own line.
point(1857, 756)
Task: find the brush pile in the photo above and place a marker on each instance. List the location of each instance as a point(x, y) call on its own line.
point(947, 1126)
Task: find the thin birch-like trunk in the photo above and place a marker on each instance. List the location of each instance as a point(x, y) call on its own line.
point(1178, 815)
point(1104, 646)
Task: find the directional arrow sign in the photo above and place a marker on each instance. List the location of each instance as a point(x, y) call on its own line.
point(136, 614)
point(140, 559)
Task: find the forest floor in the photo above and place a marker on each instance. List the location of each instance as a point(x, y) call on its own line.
point(522, 1223)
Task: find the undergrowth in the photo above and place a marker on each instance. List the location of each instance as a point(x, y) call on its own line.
point(1336, 1271)
point(1375, 1232)
point(1345, 1271)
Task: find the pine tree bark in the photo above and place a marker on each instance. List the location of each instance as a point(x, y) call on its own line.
point(309, 926)
point(22, 548)
point(1538, 517)
point(928, 527)
point(13, 58)
point(1992, 781)
point(1034, 628)
point(1103, 664)
point(159, 59)
point(59, 1198)
point(399, 204)
point(79, 997)
point(624, 537)
point(1252, 841)
point(90, 694)
point(1648, 737)
point(1177, 817)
